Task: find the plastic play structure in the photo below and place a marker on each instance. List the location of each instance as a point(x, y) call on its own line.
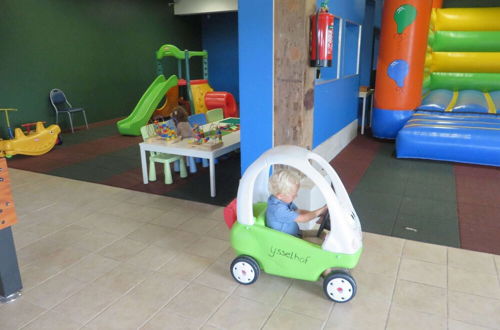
point(201, 97)
point(261, 248)
point(438, 82)
point(37, 142)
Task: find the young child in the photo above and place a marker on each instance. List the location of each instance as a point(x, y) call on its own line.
point(282, 214)
point(180, 117)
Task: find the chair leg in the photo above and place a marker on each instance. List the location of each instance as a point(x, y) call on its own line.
point(85, 117)
point(182, 165)
point(70, 122)
point(176, 165)
point(168, 174)
point(204, 162)
point(152, 171)
point(192, 165)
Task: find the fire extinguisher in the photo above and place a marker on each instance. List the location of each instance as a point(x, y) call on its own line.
point(321, 47)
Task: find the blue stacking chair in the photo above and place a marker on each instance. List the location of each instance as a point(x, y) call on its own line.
point(62, 105)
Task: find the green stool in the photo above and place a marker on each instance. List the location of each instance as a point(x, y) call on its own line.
point(148, 131)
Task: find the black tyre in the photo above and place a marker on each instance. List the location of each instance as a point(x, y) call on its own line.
point(245, 270)
point(339, 286)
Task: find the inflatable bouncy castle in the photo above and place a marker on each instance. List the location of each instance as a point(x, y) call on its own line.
point(438, 82)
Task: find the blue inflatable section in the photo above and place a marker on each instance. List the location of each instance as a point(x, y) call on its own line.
point(465, 138)
point(471, 101)
point(495, 96)
point(387, 123)
point(437, 100)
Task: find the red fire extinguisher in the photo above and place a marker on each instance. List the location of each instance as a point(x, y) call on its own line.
point(321, 47)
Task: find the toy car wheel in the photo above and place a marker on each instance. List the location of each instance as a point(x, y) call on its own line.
point(339, 287)
point(245, 270)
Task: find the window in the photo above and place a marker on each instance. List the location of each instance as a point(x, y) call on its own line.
point(351, 47)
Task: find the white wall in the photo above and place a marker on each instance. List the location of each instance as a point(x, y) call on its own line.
point(188, 7)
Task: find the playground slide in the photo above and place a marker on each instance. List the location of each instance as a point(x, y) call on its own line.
point(146, 106)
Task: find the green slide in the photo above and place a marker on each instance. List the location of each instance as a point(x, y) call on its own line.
point(146, 106)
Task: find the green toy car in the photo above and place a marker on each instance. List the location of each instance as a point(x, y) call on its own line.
point(259, 247)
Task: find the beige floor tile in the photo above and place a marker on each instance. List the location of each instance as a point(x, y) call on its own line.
point(268, 289)
point(217, 214)
point(18, 313)
point(152, 258)
point(458, 325)
point(197, 302)
point(284, 319)
point(421, 298)
point(172, 218)
point(423, 272)
point(217, 276)
point(469, 281)
point(375, 286)
point(47, 247)
point(209, 247)
point(133, 211)
point(209, 327)
point(122, 278)
point(91, 267)
point(174, 321)
point(185, 266)
point(474, 309)
point(497, 262)
point(68, 235)
point(220, 231)
point(425, 252)
point(53, 291)
point(178, 240)
point(24, 237)
point(383, 244)
point(227, 257)
point(472, 260)
point(87, 303)
point(300, 292)
point(136, 307)
point(400, 318)
point(110, 223)
point(374, 262)
point(149, 233)
point(95, 240)
point(240, 313)
point(52, 321)
point(199, 226)
point(122, 250)
point(49, 265)
point(196, 206)
point(161, 202)
point(142, 199)
point(358, 314)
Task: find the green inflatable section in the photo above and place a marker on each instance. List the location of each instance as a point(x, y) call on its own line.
point(146, 106)
point(484, 82)
point(465, 41)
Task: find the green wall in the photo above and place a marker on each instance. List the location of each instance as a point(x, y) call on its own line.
point(100, 52)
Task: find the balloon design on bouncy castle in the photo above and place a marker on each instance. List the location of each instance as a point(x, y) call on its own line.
point(398, 70)
point(404, 16)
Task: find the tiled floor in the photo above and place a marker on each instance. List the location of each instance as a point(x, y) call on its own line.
point(99, 257)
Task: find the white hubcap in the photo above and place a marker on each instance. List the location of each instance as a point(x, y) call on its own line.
point(339, 289)
point(243, 272)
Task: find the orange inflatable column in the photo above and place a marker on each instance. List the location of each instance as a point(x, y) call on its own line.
point(400, 68)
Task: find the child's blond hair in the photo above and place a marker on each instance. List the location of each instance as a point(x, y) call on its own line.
point(284, 181)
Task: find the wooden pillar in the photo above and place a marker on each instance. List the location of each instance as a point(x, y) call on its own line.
point(293, 77)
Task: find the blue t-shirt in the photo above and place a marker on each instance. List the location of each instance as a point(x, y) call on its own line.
point(281, 216)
